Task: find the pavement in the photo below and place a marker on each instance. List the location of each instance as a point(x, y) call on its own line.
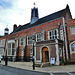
point(49, 69)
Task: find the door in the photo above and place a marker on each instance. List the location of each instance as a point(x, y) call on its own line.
point(45, 55)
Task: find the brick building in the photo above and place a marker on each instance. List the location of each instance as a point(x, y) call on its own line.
point(54, 38)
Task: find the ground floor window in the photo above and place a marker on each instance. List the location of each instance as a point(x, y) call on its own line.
point(72, 46)
point(11, 49)
point(73, 30)
point(1, 51)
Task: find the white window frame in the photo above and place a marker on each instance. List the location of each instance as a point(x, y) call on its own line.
point(29, 40)
point(10, 42)
point(2, 42)
point(71, 31)
point(21, 41)
point(53, 30)
point(1, 51)
point(71, 48)
point(40, 39)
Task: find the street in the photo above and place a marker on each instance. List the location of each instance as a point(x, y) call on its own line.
point(5, 70)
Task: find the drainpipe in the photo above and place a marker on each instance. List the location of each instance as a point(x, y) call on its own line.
point(65, 38)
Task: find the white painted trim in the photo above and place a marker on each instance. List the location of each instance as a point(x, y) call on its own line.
point(35, 50)
point(2, 44)
point(57, 53)
point(41, 52)
point(71, 31)
point(11, 41)
point(27, 39)
point(65, 38)
point(63, 52)
point(71, 52)
point(38, 61)
point(51, 33)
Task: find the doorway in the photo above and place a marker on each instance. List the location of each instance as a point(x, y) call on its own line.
point(45, 54)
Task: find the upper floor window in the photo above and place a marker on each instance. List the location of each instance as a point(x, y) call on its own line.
point(73, 47)
point(39, 37)
point(30, 41)
point(21, 41)
point(2, 43)
point(73, 30)
point(52, 34)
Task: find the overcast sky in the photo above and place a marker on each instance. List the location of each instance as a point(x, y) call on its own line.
point(19, 11)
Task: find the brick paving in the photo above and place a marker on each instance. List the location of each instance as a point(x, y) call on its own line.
point(28, 66)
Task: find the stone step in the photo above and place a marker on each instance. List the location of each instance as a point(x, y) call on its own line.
point(45, 64)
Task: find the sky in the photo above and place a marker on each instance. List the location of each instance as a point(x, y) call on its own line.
point(19, 11)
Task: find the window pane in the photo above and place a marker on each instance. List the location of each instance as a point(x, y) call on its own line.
point(50, 33)
point(12, 51)
point(73, 30)
point(21, 41)
point(30, 41)
point(53, 34)
point(39, 37)
point(13, 45)
point(9, 51)
point(3, 42)
point(73, 47)
point(9, 45)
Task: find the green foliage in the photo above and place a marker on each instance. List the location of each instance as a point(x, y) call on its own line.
point(62, 61)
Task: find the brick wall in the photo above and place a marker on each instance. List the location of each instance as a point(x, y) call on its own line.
point(71, 37)
point(37, 29)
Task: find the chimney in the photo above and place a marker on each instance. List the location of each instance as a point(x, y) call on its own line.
point(14, 27)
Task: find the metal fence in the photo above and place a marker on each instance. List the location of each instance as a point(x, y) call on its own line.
point(18, 58)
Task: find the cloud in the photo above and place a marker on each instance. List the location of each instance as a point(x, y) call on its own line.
point(10, 14)
point(5, 3)
point(19, 11)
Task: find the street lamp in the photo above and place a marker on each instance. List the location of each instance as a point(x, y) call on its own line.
point(33, 38)
point(6, 59)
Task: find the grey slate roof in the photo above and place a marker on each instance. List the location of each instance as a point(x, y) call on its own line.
point(50, 17)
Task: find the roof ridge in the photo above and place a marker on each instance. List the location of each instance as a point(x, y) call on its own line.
point(54, 13)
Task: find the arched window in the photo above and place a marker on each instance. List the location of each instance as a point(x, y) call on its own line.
point(73, 47)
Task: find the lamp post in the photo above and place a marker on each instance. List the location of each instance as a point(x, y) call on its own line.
point(6, 59)
point(33, 38)
point(33, 58)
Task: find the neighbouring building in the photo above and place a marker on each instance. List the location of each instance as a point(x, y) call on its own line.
point(54, 38)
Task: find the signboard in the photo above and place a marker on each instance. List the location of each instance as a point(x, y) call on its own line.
point(52, 60)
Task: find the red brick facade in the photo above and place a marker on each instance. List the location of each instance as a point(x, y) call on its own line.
point(71, 37)
point(56, 47)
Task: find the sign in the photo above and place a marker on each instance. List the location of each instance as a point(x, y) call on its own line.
point(52, 60)
point(33, 57)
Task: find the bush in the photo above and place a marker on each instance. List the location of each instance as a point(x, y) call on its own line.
point(62, 61)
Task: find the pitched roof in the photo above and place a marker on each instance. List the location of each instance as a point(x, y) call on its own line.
point(50, 17)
